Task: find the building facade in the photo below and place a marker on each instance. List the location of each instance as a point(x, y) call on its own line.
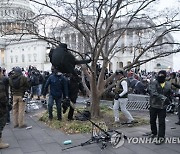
point(16, 49)
point(131, 44)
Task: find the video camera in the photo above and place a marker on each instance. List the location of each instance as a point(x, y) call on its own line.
point(25, 97)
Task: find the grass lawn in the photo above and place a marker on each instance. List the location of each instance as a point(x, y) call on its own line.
point(76, 126)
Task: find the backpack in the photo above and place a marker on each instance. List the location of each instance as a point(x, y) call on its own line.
point(83, 116)
point(16, 82)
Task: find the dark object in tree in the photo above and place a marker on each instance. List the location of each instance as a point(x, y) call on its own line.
point(63, 60)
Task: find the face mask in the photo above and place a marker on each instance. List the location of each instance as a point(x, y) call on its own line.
point(161, 79)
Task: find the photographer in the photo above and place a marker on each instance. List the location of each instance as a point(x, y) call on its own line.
point(120, 99)
point(18, 85)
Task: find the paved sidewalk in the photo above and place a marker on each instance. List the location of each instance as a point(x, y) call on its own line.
point(43, 140)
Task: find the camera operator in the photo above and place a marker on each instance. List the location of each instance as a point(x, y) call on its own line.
point(120, 99)
point(18, 85)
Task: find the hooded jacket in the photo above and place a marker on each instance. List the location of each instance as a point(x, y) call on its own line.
point(58, 86)
point(159, 97)
point(24, 85)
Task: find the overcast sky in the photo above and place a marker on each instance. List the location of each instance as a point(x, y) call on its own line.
point(172, 4)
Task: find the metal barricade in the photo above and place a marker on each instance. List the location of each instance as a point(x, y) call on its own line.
point(138, 102)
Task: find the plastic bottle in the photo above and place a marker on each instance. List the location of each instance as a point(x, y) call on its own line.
point(67, 142)
point(29, 127)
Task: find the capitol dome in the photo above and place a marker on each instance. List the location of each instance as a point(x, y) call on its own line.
point(14, 15)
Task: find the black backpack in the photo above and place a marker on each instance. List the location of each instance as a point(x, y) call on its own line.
point(83, 116)
point(16, 82)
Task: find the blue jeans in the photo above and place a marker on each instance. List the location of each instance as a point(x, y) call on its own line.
point(58, 107)
point(40, 89)
point(35, 90)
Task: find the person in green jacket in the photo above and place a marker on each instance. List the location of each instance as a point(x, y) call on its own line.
point(18, 85)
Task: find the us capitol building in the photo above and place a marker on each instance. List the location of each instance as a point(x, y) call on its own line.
point(15, 49)
point(25, 50)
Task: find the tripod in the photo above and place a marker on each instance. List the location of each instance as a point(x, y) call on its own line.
point(91, 141)
point(100, 135)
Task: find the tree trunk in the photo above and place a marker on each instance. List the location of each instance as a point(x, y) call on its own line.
point(95, 105)
point(95, 97)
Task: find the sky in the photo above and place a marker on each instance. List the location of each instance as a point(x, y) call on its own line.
point(172, 4)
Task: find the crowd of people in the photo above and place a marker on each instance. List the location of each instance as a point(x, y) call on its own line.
point(17, 82)
point(160, 86)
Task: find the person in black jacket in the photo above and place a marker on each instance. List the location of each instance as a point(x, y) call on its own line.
point(6, 83)
point(160, 92)
point(3, 109)
point(58, 86)
point(74, 84)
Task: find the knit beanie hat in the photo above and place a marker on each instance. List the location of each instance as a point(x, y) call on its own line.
point(162, 72)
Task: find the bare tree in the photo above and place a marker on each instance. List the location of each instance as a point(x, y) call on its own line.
point(102, 25)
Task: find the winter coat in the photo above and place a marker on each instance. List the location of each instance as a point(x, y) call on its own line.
point(24, 85)
point(58, 86)
point(75, 85)
point(159, 97)
point(3, 97)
